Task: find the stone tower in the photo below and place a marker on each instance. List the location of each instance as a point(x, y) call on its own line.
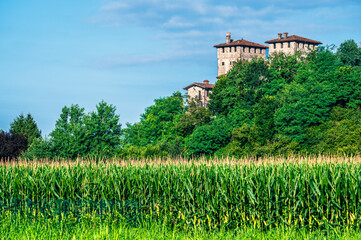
point(231, 51)
point(291, 44)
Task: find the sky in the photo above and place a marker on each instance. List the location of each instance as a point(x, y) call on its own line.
point(130, 52)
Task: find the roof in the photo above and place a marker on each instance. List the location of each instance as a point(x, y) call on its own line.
point(202, 85)
point(241, 42)
point(293, 38)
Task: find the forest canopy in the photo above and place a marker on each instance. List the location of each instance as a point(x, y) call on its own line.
point(289, 104)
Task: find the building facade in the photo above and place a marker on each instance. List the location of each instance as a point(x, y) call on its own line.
point(291, 44)
point(200, 92)
point(232, 51)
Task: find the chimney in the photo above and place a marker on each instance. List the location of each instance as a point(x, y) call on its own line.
point(279, 35)
point(228, 37)
point(206, 82)
point(286, 35)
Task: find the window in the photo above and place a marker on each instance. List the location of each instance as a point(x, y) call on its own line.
point(222, 63)
point(243, 49)
point(223, 49)
point(274, 46)
point(235, 49)
point(289, 44)
point(281, 45)
point(230, 63)
point(261, 50)
point(207, 93)
point(249, 49)
point(255, 50)
point(199, 95)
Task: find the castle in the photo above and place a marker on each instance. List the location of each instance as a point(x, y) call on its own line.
point(232, 51)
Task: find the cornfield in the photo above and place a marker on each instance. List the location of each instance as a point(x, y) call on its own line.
point(313, 194)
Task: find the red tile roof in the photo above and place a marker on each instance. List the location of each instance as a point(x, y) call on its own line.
point(293, 38)
point(205, 85)
point(241, 42)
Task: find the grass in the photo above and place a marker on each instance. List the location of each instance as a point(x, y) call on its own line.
point(93, 230)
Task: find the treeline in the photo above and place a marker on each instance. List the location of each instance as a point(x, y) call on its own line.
point(303, 103)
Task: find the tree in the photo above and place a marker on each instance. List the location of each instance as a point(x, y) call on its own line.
point(12, 145)
point(102, 130)
point(68, 137)
point(194, 117)
point(264, 112)
point(207, 139)
point(349, 53)
point(157, 122)
point(241, 88)
point(25, 126)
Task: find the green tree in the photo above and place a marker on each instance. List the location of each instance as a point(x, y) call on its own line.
point(264, 112)
point(157, 122)
point(68, 137)
point(240, 88)
point(349, 53)
point(207, 139)
point(25, 126)
point(194, 117)
point(102, 130)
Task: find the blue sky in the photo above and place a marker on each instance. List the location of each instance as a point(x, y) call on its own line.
point(57, 53)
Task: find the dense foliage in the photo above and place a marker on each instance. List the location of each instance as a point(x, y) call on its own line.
point(12, 145)
point(297, 103)
point(301, 103)
point(77, 134)
point(25, 126)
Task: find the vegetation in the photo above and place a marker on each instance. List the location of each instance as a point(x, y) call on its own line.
point(12, 145)
point(25, 126)
point(292, 104)
point(77, 134)
point(320, 193)
point(28, 230)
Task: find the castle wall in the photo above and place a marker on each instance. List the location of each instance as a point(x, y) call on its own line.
point(292, 48)
point(227, 56)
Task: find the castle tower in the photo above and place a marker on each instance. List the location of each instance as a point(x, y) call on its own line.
point(231, 51)
point(291, 44)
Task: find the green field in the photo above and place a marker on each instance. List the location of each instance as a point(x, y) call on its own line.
point(312, 198)
point(39, 230)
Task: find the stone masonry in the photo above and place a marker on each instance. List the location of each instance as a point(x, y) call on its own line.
point(291, 44)
point(232, 51)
